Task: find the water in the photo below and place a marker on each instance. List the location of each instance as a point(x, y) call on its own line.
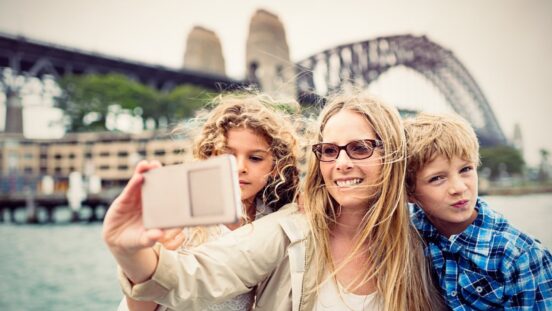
point(67, 267)
point(531, 214)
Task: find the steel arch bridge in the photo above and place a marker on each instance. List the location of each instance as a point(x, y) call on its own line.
point(362, 63)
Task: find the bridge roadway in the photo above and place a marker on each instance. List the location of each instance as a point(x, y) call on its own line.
point(36, 59)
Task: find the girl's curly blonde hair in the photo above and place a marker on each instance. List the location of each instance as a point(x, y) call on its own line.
point(265, 117)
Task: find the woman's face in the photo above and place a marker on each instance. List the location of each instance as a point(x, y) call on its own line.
point(254, 161)
point(350, 182)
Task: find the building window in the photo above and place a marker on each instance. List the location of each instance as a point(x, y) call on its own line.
point(159, 152)
point(122, 167)
point(104, 167)
point(104, 154)
point(122, 154)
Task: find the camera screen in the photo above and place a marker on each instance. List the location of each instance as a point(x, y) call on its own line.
point(206, 197)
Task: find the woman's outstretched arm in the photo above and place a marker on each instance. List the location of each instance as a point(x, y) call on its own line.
point(124, 233)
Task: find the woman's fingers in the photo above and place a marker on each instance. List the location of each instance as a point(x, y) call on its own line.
point(149, 237)
point(173, 239)
point(131, 193)
point(144, 166)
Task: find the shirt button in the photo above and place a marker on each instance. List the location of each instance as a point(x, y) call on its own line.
point(479, 289)
point(453, 293)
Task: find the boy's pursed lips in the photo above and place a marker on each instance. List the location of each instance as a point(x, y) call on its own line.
point(460, 204)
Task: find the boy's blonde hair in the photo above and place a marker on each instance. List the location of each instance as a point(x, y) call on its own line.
point(432, 135)
point(392, 245)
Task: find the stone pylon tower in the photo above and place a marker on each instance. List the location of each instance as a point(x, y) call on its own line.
point(204, 52)
point(267, 56)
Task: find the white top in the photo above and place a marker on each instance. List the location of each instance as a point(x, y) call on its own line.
point(332, 297)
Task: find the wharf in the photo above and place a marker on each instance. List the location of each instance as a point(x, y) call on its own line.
point(49, 203)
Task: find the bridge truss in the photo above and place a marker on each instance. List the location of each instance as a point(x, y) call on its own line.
point(34, 58)
point(359, 64)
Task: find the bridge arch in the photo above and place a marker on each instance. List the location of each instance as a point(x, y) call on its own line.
point(362, 63)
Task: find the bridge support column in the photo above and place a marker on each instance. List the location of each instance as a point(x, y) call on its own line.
point(50, 214)
point(75, 217)
point(12, 214)
point(32, 211)
point(14, 112)
point(93, 217)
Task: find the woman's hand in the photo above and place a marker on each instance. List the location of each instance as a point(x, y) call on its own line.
point(124, 232)
point(123, 228)
point(173, 238)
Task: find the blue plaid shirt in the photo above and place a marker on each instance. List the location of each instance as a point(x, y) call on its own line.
point(490, 265)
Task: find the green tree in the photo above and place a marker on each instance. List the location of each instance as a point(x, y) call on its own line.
point(86, 101)
point(510, 157)
point(183, 101)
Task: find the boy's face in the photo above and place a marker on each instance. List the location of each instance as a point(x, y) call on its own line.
point(447, 192)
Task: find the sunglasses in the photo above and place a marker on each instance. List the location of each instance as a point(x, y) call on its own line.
point(357, 150)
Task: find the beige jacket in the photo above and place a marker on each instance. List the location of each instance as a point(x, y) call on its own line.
point(271, 252)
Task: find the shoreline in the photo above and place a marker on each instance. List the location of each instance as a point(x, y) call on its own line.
point(519, 190)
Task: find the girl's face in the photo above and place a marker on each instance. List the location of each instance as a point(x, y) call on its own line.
point(254, 159)
point(350, 182)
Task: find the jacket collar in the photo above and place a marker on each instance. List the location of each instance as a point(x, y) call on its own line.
point(476, 238)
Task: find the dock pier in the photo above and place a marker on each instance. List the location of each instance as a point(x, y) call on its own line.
point(34, 203)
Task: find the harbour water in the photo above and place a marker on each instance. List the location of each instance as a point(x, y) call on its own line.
point(67, 266)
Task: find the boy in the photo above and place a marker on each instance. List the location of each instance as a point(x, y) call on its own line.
point(480, 260)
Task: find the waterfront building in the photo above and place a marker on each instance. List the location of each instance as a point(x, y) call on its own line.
point(107, 155)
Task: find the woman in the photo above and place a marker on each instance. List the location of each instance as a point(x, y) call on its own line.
point(352, 241)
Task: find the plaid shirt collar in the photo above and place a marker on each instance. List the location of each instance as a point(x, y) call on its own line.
point(475, 239)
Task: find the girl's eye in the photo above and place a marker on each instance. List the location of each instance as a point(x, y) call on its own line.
point(256, 158)
point(435, 179)
point(466, 169)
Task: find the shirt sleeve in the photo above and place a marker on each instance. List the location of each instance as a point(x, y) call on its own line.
point(531, 281)
point(215, 271)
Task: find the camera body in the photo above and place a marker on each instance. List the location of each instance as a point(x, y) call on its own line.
point(198, 193)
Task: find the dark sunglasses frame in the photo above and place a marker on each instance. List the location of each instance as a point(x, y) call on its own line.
point(374, 143)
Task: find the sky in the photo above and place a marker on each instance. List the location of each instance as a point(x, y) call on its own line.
point(505, 44)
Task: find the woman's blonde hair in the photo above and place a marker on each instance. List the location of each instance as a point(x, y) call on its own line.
point(392, 246)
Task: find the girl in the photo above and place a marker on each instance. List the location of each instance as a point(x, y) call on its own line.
point(265, 148)
point(352, 247)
